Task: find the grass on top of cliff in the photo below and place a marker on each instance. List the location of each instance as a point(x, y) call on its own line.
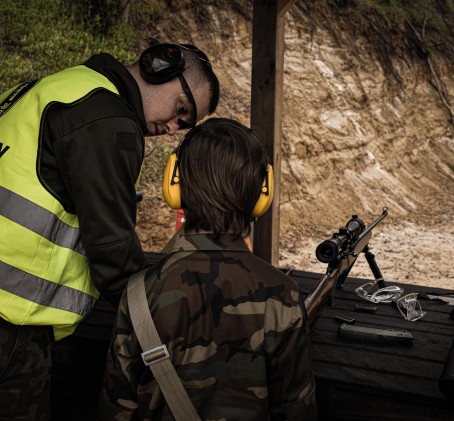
point(433, 14)
point(392, 24)
point(420, 29)
point(39, 37)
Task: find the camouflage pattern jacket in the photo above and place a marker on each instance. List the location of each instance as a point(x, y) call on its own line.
point(235, 329)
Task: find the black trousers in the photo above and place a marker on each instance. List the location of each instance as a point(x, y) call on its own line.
point(25, 363)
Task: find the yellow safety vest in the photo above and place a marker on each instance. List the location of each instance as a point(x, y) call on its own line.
point(44, 273)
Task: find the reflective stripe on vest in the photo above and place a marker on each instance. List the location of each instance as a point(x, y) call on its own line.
point(39, 220)
point(44, 273)
point(53, 295)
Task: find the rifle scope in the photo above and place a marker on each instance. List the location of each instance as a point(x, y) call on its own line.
point(330, 250)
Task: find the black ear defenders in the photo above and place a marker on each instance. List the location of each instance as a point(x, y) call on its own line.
point(163, 62)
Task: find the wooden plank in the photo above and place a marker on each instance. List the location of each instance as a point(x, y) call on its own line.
point(372, 381)
point(338, 405)
point(266, 110)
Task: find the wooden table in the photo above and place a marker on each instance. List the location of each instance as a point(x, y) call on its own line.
point(355, 380)
point(359, 380)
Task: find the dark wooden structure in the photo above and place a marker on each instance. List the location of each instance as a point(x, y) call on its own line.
point(355, 380)
point(359, 380)
point(266, 109)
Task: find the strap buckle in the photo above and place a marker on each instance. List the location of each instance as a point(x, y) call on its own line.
point(155, 355)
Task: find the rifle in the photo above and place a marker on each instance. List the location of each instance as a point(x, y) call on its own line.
point(341, 252)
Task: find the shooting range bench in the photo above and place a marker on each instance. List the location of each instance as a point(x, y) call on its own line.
point(359, 380)
point(356, 380)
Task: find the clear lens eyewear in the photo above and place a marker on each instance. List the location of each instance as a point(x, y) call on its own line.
point(410, 307)
point(191, 99)
point(382, 295)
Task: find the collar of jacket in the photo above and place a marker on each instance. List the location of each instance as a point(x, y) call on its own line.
point(120, 76)
point(206, 242)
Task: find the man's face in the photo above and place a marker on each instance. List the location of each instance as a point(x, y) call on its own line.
point(170, 108)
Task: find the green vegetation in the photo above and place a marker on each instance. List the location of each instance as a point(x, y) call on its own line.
point(421, 13)
point(39, 37)
point(429, 14)
point(419, 29)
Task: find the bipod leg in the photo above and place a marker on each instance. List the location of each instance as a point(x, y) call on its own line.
point(374, 267)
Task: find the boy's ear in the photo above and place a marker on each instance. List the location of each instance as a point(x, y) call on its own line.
point(266, 194)
point(170, 183)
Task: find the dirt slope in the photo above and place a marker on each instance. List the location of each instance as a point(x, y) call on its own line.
point(359, 132)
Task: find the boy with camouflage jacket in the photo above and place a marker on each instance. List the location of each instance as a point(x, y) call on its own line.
point(234, 325)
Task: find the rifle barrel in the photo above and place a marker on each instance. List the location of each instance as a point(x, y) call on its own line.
point(374, 224)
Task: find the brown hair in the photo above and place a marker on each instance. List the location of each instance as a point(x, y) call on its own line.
point(222, 165)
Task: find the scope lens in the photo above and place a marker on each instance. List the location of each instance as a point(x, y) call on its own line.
point(326, 252)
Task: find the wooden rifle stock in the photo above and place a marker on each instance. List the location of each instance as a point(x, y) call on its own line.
point(339, 268)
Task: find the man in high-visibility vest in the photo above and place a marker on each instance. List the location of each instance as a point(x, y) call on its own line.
point(71, 150)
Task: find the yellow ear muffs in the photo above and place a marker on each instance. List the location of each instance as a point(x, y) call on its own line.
point(170, 183)
point(172, 195)
point(266, 194)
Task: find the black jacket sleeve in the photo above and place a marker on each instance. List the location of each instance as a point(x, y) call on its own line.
point(99, 151)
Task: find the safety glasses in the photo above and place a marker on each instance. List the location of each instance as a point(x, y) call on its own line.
point(183, 124)
point(382, 295)
point(200, 55)
point(408, 305)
